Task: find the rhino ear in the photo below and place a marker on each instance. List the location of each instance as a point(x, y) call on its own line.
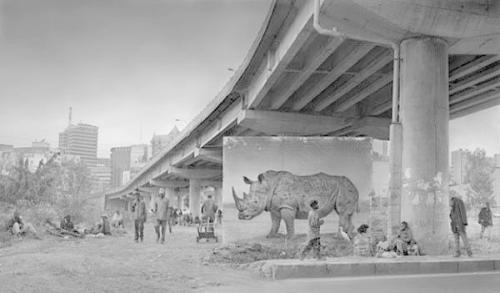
point(247, 181)
point(261, 177)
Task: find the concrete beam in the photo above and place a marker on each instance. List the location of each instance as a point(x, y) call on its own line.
point(479, 99)
point(373, 127)
point(276, 123)
point(468, 93)
point(195, 174)
point(364, 93)
point(212, 155)
point(306, 96)
point(472, 66)
point(377, 110)
point(374, 66)
point(169, 183)
point(475, 108)
point(214, 183)
point(278, 59)
point(475, 79)
point(311, 64)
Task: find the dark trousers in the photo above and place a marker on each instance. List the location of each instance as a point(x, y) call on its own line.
point(313, 244)
point(160, 229)
point(463, 235)
point(139, 229)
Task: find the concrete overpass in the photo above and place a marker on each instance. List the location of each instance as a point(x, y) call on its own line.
point(397, 69)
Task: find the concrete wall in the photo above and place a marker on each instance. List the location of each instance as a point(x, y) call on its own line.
point(250, 156)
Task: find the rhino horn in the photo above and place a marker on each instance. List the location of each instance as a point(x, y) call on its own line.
point(237, 201)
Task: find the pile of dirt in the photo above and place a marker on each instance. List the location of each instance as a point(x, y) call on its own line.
point(261, 248)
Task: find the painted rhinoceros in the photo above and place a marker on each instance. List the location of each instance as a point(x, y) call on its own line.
point(287, 196)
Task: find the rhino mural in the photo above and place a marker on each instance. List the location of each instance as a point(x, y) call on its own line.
point(287, 196)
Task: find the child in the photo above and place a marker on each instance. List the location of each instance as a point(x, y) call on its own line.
point(313, 236)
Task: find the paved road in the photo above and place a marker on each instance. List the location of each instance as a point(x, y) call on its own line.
point(443, 283)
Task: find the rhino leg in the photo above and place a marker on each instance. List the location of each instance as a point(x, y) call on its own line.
point(288, 216)
point(345, 223)
point(276, 220)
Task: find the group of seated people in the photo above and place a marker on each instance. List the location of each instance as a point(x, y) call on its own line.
point(18, 227)
point(103, 226)
point(402, 245)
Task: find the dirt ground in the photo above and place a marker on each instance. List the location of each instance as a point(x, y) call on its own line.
point(115, 264)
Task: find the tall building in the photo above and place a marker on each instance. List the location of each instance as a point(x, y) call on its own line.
point(120, 162)
point(160, 142)
point(101, 175)
point(458, 168)
point(80, 140)
point(127, 161)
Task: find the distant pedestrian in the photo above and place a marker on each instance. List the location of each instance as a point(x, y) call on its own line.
point(485, 218)
point(208, 210)
point(140, 216)
point(162, 216)
point(313, 236)
point(458, 217)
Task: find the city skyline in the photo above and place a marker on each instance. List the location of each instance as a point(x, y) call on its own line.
point(130, 69)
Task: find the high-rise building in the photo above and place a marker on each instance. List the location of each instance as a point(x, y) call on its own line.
point(101, 175)
point(458, 168)
point(127, 161)
point(160, 142)
point(120, 162)
point(80, 140)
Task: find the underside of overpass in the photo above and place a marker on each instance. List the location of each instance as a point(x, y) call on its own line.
point(297, 81)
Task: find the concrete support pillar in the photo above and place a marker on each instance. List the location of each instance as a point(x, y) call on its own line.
point(179, 198)
point(424, 116)
point(218, 196)
point(395, 166)
point(170, 194)
point(194, 197)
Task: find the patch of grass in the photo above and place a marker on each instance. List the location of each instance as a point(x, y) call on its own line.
point(260, 248)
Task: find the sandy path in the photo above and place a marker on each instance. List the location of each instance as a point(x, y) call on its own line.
point(114, 264)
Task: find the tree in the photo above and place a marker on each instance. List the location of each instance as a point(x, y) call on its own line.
point(479, 172)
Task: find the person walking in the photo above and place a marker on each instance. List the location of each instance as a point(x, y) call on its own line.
point(313, 236)
point(458, 217)
point(140, 216)
point(162, 216)
point(485, 218)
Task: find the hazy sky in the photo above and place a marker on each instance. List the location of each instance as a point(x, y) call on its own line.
point(132, 67)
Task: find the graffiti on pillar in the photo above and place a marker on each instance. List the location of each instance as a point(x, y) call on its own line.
point(287, 196)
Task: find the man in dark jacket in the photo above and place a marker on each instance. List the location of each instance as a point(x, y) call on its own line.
point(485, 219)
point(139, 210)
point(458, 218)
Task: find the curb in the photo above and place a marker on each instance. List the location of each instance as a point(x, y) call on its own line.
point(280, 270)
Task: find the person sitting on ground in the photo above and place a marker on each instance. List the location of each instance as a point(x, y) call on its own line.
point(362, 243)
point(485, 218)
point(117, 220)
point(16, 226)
point(103, 227)
point(405, 244)
point(67, 225)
